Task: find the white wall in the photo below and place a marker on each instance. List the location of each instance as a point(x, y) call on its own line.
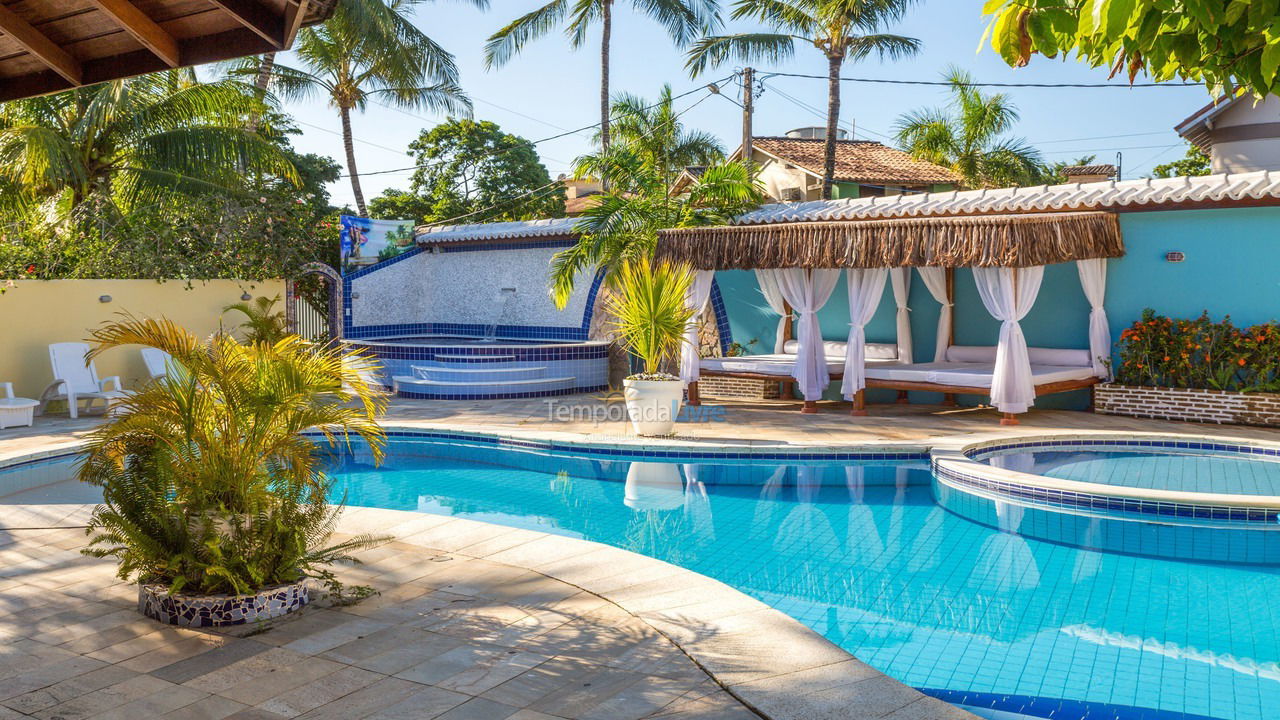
point(1247, 155)
point(463, 287)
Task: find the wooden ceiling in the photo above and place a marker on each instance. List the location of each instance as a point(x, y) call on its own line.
point(52, 45)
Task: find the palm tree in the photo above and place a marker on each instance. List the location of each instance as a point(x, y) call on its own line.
point(969, 137)
point(129, 141)
point(370, 49)
point(843, 30)
point(623, 227)
point(655, 132)
point(682, 19)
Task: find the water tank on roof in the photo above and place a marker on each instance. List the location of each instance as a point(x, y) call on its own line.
point(815, 133)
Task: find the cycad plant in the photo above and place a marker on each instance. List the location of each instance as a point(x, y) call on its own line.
point(650, 313)
point(970, 137)
point(262, 322)
point(209, 484)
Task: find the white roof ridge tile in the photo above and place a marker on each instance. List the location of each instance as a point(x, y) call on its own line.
point(1067, 196)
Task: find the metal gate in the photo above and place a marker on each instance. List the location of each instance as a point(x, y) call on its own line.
point(314, 307)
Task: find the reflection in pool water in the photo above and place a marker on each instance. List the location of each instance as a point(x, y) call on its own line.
point(861, 552)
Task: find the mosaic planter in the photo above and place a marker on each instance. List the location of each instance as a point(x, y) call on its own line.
point(1194, 405)
point(155, 602)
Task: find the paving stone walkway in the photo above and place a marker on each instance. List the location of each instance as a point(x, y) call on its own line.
point(449, 637)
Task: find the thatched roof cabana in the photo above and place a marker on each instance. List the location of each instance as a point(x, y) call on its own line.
point(1025, 240)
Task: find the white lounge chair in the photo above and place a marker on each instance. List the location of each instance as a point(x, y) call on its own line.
point(74, 380)
point(157, 361)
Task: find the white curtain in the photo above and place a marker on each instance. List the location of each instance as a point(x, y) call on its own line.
point(807, 291)
point(699, 294)
point(773, 295)
point(1008, 294)
point(1093, 278)
point(935, 279)
point(866, 286)
point(901, 277)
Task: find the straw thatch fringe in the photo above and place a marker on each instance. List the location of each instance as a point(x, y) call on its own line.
point(981, 241)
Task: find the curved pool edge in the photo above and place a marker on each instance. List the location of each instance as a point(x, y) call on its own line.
point(767, 660)
point(956, 462)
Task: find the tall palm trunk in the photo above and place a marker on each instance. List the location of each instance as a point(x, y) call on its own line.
point(265, 68)
point(606, 33)
point(349, 145)
point(834, 61)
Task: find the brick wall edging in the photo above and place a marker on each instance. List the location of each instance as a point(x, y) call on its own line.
point(1188, 404)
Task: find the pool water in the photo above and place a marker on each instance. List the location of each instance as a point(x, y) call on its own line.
point(1157, 470)
point(862, 553)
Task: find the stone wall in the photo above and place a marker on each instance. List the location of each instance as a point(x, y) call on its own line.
point(1214, 406)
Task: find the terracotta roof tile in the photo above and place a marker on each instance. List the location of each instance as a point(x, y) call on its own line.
point(857, 161)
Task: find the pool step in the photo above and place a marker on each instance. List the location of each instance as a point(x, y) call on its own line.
point(461, 390)
point(478, 373)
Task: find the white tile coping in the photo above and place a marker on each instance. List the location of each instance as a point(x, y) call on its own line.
point(957, 459)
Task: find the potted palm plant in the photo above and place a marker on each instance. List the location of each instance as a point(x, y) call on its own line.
point(215, 499)
point(650, 310)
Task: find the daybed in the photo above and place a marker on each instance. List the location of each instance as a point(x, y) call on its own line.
point(780, 367)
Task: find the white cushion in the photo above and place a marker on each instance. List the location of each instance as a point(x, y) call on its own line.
point(1039, 356)
point(835, 348)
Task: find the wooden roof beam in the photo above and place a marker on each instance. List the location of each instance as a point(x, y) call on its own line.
point(40, 46)
point(294, 14)
point(257, 18)
point(143, 29)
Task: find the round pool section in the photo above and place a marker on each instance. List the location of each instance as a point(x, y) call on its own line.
point(460, 368)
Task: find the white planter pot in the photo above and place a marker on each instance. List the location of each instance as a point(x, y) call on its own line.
point(653, 405)
point(653, 486)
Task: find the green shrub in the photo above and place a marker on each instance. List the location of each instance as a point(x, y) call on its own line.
point(1200, 353)
point(209, 485)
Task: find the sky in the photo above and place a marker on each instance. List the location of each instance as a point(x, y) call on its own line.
point(550, 88)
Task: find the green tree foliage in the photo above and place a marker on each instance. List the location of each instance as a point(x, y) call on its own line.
point(208, 484)
point(842, 30)
point(472, 168)
point(1052, 174)
point(1194, 163)
point(370, 51)
point(263, 323)
point(129, 143)
point(682, 19)
point(640, 200)
point(1224, 44)
point(970, 137)
point(654, 131)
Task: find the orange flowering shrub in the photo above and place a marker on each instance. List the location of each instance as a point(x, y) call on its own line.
point(1200, 353)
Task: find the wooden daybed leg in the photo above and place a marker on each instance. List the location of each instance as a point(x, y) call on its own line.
point(860, 404)
point(810, 407)
point(694, 399)
point(948, 400)
point(1009, 419)
point(903, 399)
point(787, 391)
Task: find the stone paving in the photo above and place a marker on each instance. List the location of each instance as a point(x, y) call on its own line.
point(449, 636)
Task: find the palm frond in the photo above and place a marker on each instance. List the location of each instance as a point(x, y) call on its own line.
point(512, 38)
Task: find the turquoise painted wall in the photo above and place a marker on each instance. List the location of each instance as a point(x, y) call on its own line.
point(1232, 267)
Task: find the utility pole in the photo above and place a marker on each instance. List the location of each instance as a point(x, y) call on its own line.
point(748, 107)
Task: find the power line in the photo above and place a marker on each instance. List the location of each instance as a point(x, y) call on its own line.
point(353, 137)
point(541, 140)
point(947, 83)
point(1101, 137)
point(529, 193)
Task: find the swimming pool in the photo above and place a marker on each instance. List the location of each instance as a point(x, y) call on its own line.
point(862, 552)
point(930, 586)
